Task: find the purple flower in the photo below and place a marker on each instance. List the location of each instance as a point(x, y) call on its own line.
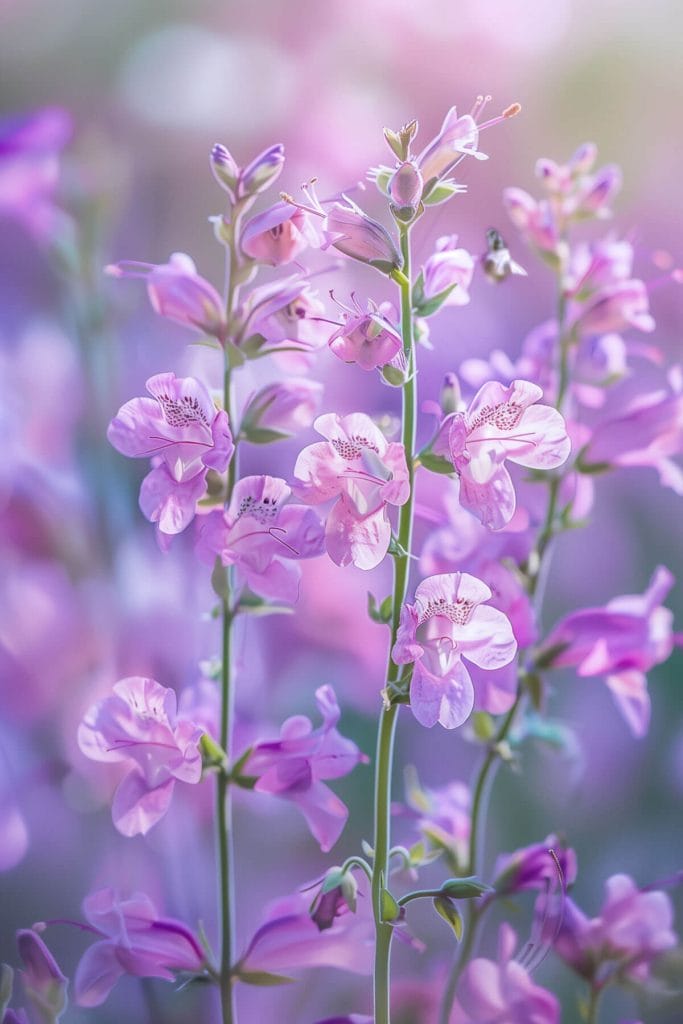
point(534, 867)
point(502, 992)
point(449, 267)
point(365, 473)
point(352, 232)
point(621, 641)
point(177, 292)
point(283, 314)
point(458, 137)
point(535, 219)
point(405, 190)
point(444, 818)
point(367, 337)
point(631, 930)
point(138, 727)
point(447, 623)
point(262, 172)
point(262, 535)
point(184, 434)
point(136, 941)
point(44, 984)
point(281, 409)
point(279, 234)
point(501, 423)
point(295, 765)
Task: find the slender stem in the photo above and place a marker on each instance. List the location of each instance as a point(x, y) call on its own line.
point(464, 955)
point(593, 1005)
point(389, 716)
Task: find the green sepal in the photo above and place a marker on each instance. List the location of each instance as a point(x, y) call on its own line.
point(428, 307)
point(446, 909)
point(219, 581)
point(264, 979)
point(251, 345)
point(483, 726)
point(234, 355)
point(262, 435)
point(380, 613)
point(440, 192)
point(367, 849)
point(534, 687)
point(213, 755)
point(436, 463)
point(389, 908)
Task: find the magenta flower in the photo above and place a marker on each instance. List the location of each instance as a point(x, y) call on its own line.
point(631, 930)
point(281, 409)
point(449, 267)
point(184, 434)
point(30, 148)
point(135, 941)
point(44, 983)
point(447, 623)
point(367, 337)
point(352, 232)
point(279, 234)
point(501, 423)
point(534, 867)
point(365, 473)
point(502, 992)
point(262, 535)
point(138, 727)
point(179, 293)
point(621, 641)
point(295, 765)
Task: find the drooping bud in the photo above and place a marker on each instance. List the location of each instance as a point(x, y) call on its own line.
point(353, 233)
point(405, 191)
point(450, 398)
point(262, 172)
point(337, 894)
point(225, 170)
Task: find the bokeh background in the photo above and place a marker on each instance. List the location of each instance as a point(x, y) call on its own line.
point(85, 595)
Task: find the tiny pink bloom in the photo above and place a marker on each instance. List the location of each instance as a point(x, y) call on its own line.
point(501, 423)
point(631, 930)
point(352, 232)
point(447, 623)
point(44, 984)
point(365, 473)
point(616, 307)
point(368, 337)
point(621, 641)
point(449, 267)
point(262, 535)
point(135, 941)
point(138, 727)
point(184, 434)
point(177, 292)
point(284, 408)
point(294, 767)
point(535, 219)
point(502, 992)
point(279, 234)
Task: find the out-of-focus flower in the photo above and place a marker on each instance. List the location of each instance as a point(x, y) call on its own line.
point(534, 219)
point(14, 840)
point(30, 148)
point(448, 269)
point(447, 623)
point(280, 316)
point(617, 307)
point(352, 232)
point(502, 992)
point(179, 293)
point(545, 865)
point(631, 930)
point(367, 337)
point(457, 137)
point(366, 473)
point(443, 818)
point(279, 234)
point(294, 766)
point(281, 409)
point(262, 535)
point(135, 941)
point(138, 727)
point(621, 641)
point(501, 423)
point(184, 434)
point(44, 984)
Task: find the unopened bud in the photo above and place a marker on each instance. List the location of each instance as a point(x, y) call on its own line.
point(263, 171)
point(450, 398)
point(405, 191)
point(225, 170)
point(353, 233)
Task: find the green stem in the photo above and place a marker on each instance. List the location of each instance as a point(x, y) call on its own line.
point(464, 955)
point(593, 1005)
point(389, 716)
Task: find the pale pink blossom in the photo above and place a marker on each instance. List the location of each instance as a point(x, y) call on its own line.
point(138, 727)
point(367, 337)
point(280, 316)
point(279, 234)
point(449, 622)
point(365, 473)
point(353, 233)
point(281, 409)
point(448, 267)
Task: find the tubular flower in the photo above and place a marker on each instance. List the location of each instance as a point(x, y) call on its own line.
point(138, 727)
point(279, 234)
point(184, 434)
point(447, 623)
point(365, 473)
point(367, 337)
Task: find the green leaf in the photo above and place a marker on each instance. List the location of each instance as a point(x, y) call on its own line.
point(380, 613)
point(428, 307)
point(450, 913)
point(483, 726)
point(262, 978)
point(234, 356)
point(464, 888)
point(390, 910)
point(436, 463)
point(534, 687)
point(262, 435)
point(219, 581)
point(382, 178)
point(251, 604)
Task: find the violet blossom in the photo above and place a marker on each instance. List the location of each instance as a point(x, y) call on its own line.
point(449, 622)
point(279, 234)
point(294, 766)
point(501, 423)
point(449, 267)
point(620, 641)
point(134, 940)
point(353, 233)
point(262, 536)
point(138, 727)
point(43, 981)
point(280, 316)
point(367, 337)
point(281, 409)
point(185, 435)
point(365, 473)
point(547, 865)
point(257, 176)
point(443, 818)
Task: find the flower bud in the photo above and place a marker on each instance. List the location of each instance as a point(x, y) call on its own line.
point(405, 190)
point(44, 983)
point(262, 172)
point(225, 170)
point(451, 397)
point(353, 233)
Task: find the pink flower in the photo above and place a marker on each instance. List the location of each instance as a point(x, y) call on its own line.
point(279, 234)
point(352, 232)
point(138, 727)
point(535, 219)
point(444, 818)
point(281, 409)
point(501, 423)
point(502, 992)
point(177, 292)
point(533, 867)
point(365, 473)
point(631, 930)
point(617, 307)
point(295, 765)
point(448, 267)
point(458, 137)
point(621, 641)
point(134, 940)
point(43, 981)
point(447, 623)
point(368, 337)
point(184, 434)
point(261, 534)
point(283, 314)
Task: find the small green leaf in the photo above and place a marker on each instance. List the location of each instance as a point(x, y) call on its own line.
point(234, 356)
point(380, 613)
point(219, 581)
point(534, 686)
point(252, 344)
point(213, 755)
point(262, 435)
point(440, 193)
point(450, 913)
point(390, 910)
point(428, 307)
point(483, 726)
point(251, 604)
point(262, 978)
point(436, 463)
